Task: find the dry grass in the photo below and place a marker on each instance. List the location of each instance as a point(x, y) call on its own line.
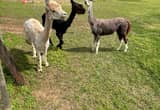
point(11, 25)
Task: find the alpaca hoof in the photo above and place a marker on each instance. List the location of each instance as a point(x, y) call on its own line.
point(118, 49)
point(125, 51)
point(96, 52)
point(34, 56)
point(47, 64)
point(60, 47)
point(40, 70)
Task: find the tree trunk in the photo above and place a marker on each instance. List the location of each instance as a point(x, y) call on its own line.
point(4, 98)
point(8, 61)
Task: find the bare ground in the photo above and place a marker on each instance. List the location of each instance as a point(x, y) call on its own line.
point(11, 25)
point(50, 93)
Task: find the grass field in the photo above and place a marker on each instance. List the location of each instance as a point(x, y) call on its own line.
point(78, 79)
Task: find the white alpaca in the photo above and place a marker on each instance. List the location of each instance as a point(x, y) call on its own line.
point(38, 36)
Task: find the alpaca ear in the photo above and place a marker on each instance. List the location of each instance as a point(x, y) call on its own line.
point(46, 5)
point(72, 1)
point(46, 2)
point(47, 8)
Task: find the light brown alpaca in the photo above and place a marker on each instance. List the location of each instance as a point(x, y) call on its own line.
point(38, 35)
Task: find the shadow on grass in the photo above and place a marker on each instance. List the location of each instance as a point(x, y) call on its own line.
point(21, 60)
point(88, 49)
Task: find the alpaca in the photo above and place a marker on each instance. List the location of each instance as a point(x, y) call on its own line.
point(61, 26)
point(101, 27)
point(38, 36)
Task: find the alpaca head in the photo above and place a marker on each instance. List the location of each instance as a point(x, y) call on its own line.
point(55, 10)
point(87, 2)
point(77, 7)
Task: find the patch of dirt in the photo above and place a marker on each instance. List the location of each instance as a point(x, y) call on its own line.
point(53, 98)
point(47, 94)
point(11, 25)
point(50, 96)
point(11, 28)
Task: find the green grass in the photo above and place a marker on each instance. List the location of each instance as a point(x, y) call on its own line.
point(81, 80)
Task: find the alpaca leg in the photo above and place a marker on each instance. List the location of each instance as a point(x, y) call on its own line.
point(126, 47)
point(126, 44)
point(60, 37)
point(61, 43)
point(34, 51)
point(94, 43)
point(45, 60)
point(97, 45)
point(40, 62)
point(120, 45)
point(45, 55)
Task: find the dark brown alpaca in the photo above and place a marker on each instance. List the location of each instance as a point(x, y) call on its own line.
point(61, 26)
point(101, 27)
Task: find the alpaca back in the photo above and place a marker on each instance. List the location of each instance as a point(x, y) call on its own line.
point(32, 29)
point(109, 26)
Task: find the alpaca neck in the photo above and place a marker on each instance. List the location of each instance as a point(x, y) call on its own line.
point(47, 27)
point(71, 17)
point(91, 18)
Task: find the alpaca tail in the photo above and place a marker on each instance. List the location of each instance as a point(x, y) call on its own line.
point(129, 27)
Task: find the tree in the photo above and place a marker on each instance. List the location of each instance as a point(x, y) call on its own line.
point(7, 59)
point(4, 98)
